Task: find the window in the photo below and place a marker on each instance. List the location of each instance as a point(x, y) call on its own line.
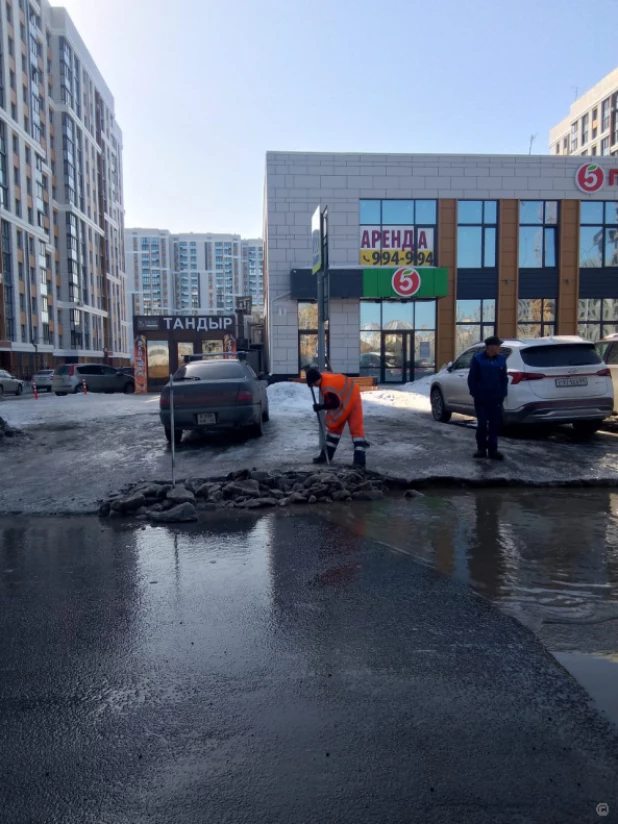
point(474, 321)
point(598, 234)
point(595, 123)
point(538, 234)
point(597, 318)
point(605, 115)
point(560, 355)
point(4, 180)
point(565, 145)
point(476, 234)
point(573, 137)
point(585, 119)
point(605, 146)
point(397, 232)
point(536, 318)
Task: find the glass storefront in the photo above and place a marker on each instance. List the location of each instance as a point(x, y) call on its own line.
point(397, 340)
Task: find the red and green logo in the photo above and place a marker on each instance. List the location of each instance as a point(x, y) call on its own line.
point(406, 282)
point(590, 178)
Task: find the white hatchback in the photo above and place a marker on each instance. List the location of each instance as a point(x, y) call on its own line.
point(551, 380)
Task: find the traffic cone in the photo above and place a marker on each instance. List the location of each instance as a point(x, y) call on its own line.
point(84, 387)
point(34, 391)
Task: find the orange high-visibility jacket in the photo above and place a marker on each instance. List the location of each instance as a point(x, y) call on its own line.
point(348, 393)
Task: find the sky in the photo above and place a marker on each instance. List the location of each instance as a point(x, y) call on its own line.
point(204, 88)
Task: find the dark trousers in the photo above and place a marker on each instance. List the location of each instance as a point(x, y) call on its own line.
point(489, 418)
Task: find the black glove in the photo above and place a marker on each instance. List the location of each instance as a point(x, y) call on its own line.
point(318, 407)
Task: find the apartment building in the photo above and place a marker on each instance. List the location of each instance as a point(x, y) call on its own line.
point(429, 254)
point(591, 127)
point(191, 273)
point(62, 295)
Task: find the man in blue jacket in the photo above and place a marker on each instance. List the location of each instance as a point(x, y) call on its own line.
point(489, 385)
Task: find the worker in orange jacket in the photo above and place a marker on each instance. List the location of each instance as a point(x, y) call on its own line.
point(343, 404)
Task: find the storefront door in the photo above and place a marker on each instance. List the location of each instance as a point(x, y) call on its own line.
point(397, 357)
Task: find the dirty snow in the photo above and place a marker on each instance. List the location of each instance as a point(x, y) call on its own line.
point(295, 398)
point(289, 399)
point(50, 409)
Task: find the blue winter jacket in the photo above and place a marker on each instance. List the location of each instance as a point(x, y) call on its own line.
point(487, 379)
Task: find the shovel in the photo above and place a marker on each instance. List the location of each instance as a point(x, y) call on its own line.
point(321, 425)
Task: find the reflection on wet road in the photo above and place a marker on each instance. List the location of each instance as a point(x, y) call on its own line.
point(548, 557)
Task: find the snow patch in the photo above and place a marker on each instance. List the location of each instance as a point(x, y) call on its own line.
point(290, 398)
point(72, 409)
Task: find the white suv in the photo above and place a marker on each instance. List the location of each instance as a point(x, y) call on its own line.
point(551, 380)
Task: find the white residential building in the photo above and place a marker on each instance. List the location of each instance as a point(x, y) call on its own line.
point(62, 259)
point(192, 272)
point(591, 127)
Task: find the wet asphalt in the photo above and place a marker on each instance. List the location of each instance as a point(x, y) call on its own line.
point(281, 669)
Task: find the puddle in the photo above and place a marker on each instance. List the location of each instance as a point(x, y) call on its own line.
point(548, 557)
point(598, 675)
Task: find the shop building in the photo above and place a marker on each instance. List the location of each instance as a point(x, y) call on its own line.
point(431, 253)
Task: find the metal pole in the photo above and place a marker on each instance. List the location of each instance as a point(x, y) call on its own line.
point(173, 439)
point(321, 425)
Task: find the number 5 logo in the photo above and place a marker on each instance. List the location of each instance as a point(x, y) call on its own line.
point(406, 282)
point(589, 178)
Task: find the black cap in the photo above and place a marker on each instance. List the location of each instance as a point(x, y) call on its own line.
point(313, 375)
point(493, 340)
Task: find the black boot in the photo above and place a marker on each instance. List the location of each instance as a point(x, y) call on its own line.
point(321, 458)
point(360, 458)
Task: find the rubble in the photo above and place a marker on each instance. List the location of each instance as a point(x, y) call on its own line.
point(245, 489)
point(8, 431)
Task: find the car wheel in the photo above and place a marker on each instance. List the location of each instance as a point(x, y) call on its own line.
point(129, 388)
point(257, 429)
point(60, 394)
point(79, 388)
point(438, 409)
point(19, 389)
point(177, 436)
point(586, 427)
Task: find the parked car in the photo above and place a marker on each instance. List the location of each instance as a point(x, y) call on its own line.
point(218, 393)
point(10, 385)
point(608, 351)
point(99, 378)
point(551, 380)
point(43, 379)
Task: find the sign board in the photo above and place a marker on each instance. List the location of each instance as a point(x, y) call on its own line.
point(591, 178)
point(316, 241)
point(405, 282)
point(398, 245)
point(244, 304)
point(188, 323)
point(141, 368)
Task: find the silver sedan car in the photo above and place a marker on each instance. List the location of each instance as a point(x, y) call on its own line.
point(10, 385)
point(43, 379)
point(215, 394)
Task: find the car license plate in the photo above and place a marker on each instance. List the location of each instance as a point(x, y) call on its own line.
point(206, 418)
point(561, 382)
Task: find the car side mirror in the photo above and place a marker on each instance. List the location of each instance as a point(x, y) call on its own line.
point(449, 366)
point(120, 374)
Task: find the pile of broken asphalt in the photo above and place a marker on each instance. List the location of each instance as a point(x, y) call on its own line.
point(245, 489)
